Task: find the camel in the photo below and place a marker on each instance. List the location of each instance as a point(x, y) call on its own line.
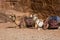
point(38, 22)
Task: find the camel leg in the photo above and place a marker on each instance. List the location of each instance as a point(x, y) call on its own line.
point(45, 26)
point(36, 26)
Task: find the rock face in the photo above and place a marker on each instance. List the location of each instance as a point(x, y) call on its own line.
point(46, 8)
point(18, 5)
point(43, 8)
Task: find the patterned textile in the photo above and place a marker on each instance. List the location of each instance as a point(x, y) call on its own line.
point(52, 21)
point(53, 24)
point(29, 21)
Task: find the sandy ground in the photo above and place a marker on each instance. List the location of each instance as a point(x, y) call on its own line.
point(28, 34)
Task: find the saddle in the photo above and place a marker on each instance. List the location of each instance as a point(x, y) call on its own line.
point(29, 21)
point(53, 24)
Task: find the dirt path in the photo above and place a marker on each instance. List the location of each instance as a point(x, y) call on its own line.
point(29, 34)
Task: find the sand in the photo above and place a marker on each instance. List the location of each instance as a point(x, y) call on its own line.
point(28, 34)
point(9, 31)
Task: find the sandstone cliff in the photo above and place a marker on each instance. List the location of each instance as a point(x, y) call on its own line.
point(43, 8)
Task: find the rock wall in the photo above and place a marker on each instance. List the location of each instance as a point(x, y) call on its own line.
point(43, 8)
point(46, 8)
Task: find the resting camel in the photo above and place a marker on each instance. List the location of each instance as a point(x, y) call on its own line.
point(38, 22)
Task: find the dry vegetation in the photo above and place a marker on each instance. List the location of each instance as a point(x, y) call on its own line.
point(44, 8)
